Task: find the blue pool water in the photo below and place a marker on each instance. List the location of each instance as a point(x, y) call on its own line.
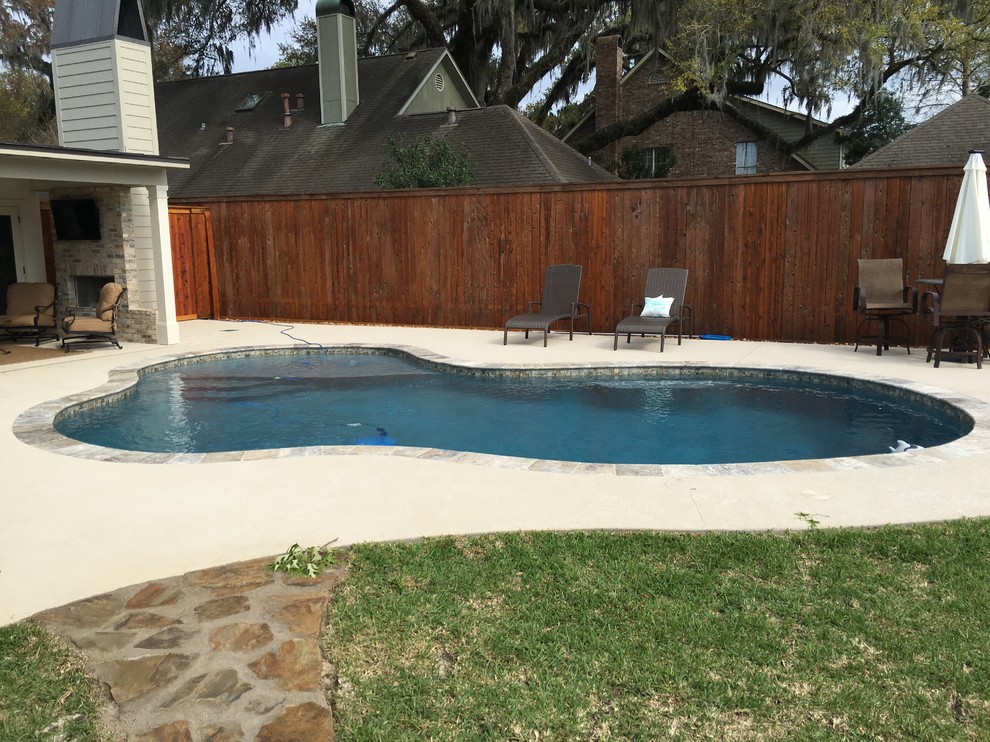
point(289, 400)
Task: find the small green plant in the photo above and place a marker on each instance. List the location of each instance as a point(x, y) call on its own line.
point(307, 562)
point(807, 518)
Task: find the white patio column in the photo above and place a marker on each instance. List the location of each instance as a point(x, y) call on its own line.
point(167, 326)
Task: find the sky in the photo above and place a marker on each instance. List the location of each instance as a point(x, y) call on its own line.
point(265, 54)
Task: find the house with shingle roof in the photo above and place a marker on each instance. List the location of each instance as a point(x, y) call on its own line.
point(288, 131)
point(693, 143)
point(944, 139)
point(307, 130)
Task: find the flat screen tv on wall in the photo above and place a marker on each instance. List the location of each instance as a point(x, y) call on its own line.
point(76, 219)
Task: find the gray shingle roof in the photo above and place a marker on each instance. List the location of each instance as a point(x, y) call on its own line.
point(267, 158)
point(944, 139)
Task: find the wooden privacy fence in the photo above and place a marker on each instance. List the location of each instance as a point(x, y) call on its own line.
point(770, 258)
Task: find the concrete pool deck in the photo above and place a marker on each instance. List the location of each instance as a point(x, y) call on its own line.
point(75, 527)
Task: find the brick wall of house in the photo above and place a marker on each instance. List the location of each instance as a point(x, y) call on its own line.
point(703, 142)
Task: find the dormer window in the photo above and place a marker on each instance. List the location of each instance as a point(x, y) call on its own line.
point(438, 82)
point(250, 102)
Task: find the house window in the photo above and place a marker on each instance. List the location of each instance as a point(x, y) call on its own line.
point(746, 158)
point(658, 161)
point(646, 162)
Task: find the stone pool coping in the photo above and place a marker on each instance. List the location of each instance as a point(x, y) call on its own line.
point(35, 426)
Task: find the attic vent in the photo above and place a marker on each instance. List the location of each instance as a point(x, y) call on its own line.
point(251, 101)
point(656, 78)
point(438, 81)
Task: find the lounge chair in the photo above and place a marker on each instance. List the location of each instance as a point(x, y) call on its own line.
point(101, 327)
point(881, 296)
point(663, 306)
point(959, 312)
point(560, 301)
point(30, 311)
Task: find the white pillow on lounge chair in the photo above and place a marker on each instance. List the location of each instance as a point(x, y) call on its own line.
point(657, 306)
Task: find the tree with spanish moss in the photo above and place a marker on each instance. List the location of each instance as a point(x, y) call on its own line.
point(815, 51)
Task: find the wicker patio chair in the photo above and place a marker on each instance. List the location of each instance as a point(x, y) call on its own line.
point(30, 311)
point(660, 282)
point(882, 297)
point(561, 286)
point(959, 312)
point(101, 327)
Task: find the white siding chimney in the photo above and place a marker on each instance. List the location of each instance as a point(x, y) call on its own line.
point(104, 88)
point(337, 49)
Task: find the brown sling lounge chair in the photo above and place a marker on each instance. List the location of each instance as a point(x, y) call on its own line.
point(881, 297)
point(99, 328)
point(30, 311)
point(660, 282)
point(560, 301)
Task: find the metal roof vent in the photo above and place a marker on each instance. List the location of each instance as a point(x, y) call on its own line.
point(438, 82)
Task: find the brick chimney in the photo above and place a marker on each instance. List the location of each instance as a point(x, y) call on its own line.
point(608, 103)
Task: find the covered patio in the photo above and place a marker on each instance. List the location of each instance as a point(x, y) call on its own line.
point(133, 248)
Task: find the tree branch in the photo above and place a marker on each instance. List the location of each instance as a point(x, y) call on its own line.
point(691, 100)
point(379, 22)
point(541, 67)
point(421, 12)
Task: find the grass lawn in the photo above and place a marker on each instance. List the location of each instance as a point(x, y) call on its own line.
point(44, 693)
point(879, 634)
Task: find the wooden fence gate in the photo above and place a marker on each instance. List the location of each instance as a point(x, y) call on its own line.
point(193, 263)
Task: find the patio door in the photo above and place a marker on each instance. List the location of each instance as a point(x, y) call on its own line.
point(8, 260)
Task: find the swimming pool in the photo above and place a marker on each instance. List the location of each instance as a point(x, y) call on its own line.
point(374, 397)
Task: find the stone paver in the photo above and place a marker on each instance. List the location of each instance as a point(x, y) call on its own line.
point(229, 653)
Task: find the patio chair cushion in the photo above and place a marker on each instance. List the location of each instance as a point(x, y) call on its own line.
point(108, 298)
point(657, 306)
point(17, 320)
point(87, 324)
point(22, 300)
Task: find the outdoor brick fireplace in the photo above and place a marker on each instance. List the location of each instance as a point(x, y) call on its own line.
point(83, 266)
point(87, 289)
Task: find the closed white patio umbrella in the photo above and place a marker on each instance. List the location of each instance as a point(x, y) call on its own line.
point(969, 235)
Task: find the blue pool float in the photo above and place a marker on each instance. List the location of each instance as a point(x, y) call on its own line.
point(382, 439)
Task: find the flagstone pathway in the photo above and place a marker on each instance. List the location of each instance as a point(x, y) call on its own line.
point(224, 654)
